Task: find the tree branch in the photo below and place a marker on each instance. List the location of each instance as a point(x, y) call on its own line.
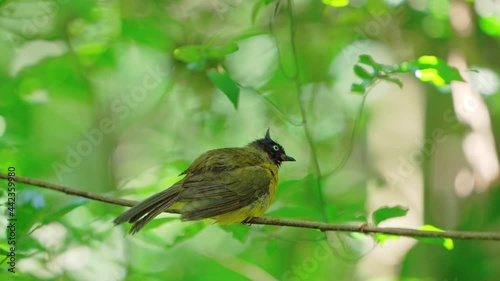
point(363, 228)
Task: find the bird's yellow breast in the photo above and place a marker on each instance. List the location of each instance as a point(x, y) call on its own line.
point(258, 207)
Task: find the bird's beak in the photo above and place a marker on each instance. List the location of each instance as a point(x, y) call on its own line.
point(285, 157)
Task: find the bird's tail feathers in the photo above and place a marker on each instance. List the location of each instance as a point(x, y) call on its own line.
point(145, 211)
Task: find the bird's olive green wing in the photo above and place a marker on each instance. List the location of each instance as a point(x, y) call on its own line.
point(211, 194)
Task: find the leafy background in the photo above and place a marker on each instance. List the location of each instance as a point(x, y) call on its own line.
point(117, 97)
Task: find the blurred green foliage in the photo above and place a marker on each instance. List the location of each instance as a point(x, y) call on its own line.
point(118, 97)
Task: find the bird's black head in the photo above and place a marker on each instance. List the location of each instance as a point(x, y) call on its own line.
point(273, 149)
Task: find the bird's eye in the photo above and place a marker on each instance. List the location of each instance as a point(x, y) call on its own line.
point(276, 147)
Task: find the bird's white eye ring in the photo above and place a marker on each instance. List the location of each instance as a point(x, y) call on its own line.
point(276, 147)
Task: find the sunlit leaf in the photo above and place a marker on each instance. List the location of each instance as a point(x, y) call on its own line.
point(382, 238)
point(430, 75)
point(432, 69)
point(336, 3)
point(432, 60)
point(445, 242)
point(490, 25)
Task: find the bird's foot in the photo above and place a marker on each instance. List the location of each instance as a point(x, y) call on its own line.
point(247, 221)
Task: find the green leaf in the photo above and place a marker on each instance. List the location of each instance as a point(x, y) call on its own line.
point(190, 53)
point(219, 52)
point(380, 72)
point(368, 60)
point(30, 208)
point(426, 68)
point(158, 222)
point(430, 75)
point(447, 243)
point(432, 69)
point(385, 213)
point(358, 88)
point(182, 231)
point(381, 238)
point(64, 209)
point(239, 232)
point(431, 60)
point(189, 232)
point(361, 72)
point(248, 34)
point(144, 31)
point(394, 81)
point(490, 25)
point(224, 82)
point(336, 3)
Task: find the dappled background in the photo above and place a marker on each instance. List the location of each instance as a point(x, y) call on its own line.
point(118, 97)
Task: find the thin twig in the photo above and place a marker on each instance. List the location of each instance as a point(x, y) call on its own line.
point(357, 121)
point(298, 88)
point(282, 114)
point(72, 191)
point(459, 235)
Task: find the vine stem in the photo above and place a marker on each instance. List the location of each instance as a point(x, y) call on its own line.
point(362, 228)
point(307, 131)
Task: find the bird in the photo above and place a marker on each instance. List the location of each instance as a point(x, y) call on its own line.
point(228, 185)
